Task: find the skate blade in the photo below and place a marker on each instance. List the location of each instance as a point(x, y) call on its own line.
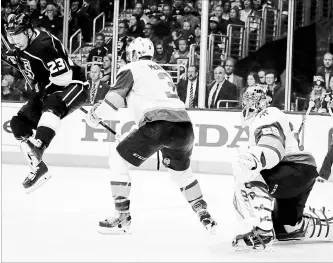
point(242, 247)
point(114, 231)
point(39, 183)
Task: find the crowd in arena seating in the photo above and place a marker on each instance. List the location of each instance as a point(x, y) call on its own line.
point(173, 26)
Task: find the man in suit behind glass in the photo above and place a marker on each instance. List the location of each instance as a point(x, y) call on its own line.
point(98, 88)
point(229, 67)
point(188, 89)
point(220, 89)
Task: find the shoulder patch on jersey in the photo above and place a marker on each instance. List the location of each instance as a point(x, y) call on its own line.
point(274, 129)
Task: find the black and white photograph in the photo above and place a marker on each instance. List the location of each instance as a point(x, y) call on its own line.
point(166, 131)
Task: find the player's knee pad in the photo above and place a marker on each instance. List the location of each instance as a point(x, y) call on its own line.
point(20, 128)
point(254, 205)
point(55, 104)
point(182, 178)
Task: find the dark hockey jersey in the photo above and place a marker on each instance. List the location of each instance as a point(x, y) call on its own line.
point(46, 62)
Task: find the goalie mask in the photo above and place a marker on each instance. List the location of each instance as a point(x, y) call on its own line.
point(254, 101)
point(17, 30)
point(139, 48)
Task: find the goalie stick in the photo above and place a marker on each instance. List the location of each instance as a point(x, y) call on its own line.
point(18, 67)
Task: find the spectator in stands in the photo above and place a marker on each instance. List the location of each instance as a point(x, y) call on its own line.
point(135, 29)
point(188, 89)
point(214, 27)
point(327, 69)
point(189, 17)
point(220, 89)
point(73, 24)
point(160, 29)
point(252, 79)
point(100, 50)
point(197, 35)
point(178, 8)
point(234, 19)
point(139, 12)
point(186, 33)
point(107, 60)
point(149, 33)
point(39, 13)
point(259, 5)
point(229, 67)
point(212, 5)
point(161, 56)
point(122, 37)
point(86, 15)
point(52, 22)
point(167, 19)
point(217, 12)
point(275, 90)
point(59, 4)
point(182, 55)
point(262, 76)
point(7, 92)
point(153, 9)
point(226, 10)
point(7, 10)
point(171, 42)
point(198, 8)
point(247, 10)
point(318, 92)
point(98, 88)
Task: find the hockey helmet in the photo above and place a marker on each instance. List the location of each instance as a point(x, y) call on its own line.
point(254, 101)
point(16, 30)
point(139, 48)
point(18, 24)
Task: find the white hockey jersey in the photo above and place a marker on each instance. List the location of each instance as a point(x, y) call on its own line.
point(272, 130)
point(148, 91)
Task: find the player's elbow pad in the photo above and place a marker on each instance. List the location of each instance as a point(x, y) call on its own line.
point(269, 151)
point(111, 103)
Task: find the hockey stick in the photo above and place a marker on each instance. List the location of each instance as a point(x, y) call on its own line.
point(18, 67)
point(101, 122)
point(301, 144)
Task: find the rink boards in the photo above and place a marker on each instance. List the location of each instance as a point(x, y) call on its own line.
point(218, 137)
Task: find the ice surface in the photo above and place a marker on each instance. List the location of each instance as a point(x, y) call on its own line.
point(58, 222)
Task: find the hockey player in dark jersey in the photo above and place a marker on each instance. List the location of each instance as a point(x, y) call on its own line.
point(58, 86)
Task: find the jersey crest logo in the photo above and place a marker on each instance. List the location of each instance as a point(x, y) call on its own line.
point(263, 113)
point(27, 69)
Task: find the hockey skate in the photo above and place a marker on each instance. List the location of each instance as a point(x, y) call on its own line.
point(33, 151)
point(315, 226)
point(117, 224)
point(257, 239)
point(206, 219)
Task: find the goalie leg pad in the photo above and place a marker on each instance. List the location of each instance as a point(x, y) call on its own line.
point(254, 205)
